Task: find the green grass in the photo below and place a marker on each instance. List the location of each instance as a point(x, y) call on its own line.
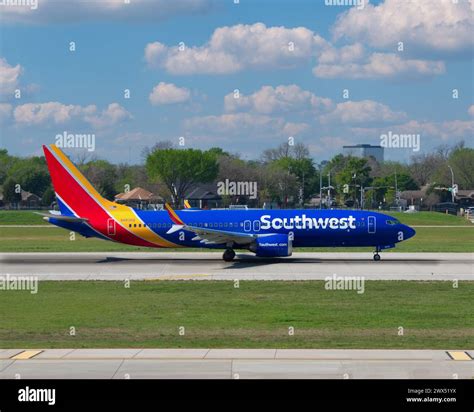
point(429, 218)
point(256, 315)
point(22, 217)
point(53, 239)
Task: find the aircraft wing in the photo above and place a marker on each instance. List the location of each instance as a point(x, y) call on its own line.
point(207, 235)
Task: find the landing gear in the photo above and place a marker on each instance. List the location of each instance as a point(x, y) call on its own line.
point(376, 254)
point(228, 255)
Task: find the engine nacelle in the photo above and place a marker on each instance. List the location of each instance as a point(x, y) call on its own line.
point(272, 246)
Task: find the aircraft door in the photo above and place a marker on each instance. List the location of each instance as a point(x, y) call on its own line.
point(247, 225)
point(111, 227)
point(371, 224)
point(256, 225)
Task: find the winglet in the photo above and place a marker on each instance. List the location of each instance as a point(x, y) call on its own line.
point(187, 205)
point(174, 217)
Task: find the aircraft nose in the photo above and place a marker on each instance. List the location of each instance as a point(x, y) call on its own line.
point(408, 232)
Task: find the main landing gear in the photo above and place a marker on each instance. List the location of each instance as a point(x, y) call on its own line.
point(228, 255)
point(376, 254)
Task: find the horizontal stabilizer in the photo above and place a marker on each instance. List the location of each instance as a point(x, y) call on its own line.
point(72, 219)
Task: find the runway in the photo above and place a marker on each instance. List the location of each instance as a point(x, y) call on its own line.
point(237, 364)
point(210, 266)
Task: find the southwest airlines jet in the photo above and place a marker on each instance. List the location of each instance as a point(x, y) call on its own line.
point(267, 233)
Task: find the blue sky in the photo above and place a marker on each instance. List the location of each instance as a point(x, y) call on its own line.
point(189, 92)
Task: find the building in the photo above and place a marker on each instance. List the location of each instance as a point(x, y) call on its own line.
point(365, 150)
point(140, 198)
point(204, 196)
point(27, 200)
point(465, 198)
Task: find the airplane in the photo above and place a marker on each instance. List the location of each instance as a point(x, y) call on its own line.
point(267, 233)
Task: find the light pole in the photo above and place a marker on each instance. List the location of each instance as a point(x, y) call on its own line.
point(452, 183)
point(320, 188)
point(329, 189)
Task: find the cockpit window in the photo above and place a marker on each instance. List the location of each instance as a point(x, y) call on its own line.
point(392, 222)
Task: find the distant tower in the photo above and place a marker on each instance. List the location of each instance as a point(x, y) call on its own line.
point(364, 150)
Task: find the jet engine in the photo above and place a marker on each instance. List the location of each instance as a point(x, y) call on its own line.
point(272, 245)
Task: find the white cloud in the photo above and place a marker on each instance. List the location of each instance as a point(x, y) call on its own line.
point(365, 111)
point(111, 116)
point(278, 99)
point(338, 64)
point(58, 113)
point(470, 111)
point(232, 49)
point(9, 77)
point(5, 112)
point(54, 11)
point(40, 113)
point(444, 26)
point(244, 125)
point(168, 93)
point(431, 133)
point(346, 54)
point(327, 145)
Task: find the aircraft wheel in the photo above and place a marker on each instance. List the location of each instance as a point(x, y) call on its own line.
point(376, 257)
point(228, 255)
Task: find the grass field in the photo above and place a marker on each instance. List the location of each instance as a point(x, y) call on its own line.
point(48, 238)
point(21, 217)
point(256, 315)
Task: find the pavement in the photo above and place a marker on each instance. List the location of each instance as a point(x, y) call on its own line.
point(236, 364)
point(210, 266)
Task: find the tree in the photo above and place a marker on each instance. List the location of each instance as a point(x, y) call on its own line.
point(180, 169)
point(355, 172)
point(31, 174)
point(303, 169)
point(11, 192)
point(296, 151)
point(461, 160)
point(161, 145)
point(423, 167)
point(6, 163)
point(102, 175)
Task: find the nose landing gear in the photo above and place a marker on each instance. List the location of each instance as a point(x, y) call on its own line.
point(376, 253)
point(228, 255)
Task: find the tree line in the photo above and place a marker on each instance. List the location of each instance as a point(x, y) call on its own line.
point(286, 175)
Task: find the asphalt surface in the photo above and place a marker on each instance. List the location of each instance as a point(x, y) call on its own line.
point(209, 265)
